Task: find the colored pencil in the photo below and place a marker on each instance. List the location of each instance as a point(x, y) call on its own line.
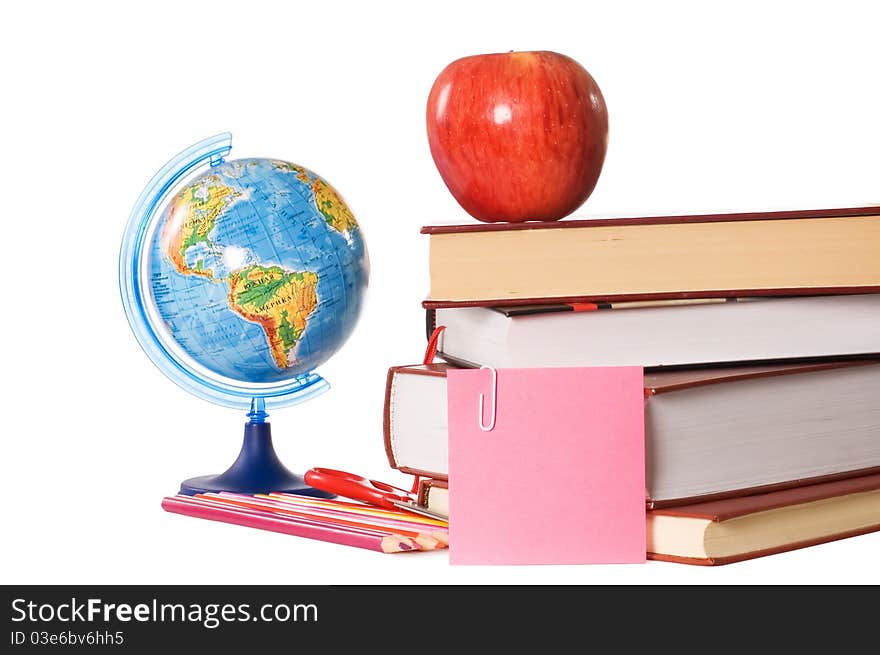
point(351, 521)
point(400, 523)
point(357, 507)
point(360, 509)
point(381, 540)
point(404, 520)
point(385, 543)
point(209, 502)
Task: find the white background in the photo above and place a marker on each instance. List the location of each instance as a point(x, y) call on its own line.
point(753, 108)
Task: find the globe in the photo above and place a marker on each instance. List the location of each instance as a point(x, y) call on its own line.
point(258, 270)
point(238, 281)
point(251, 275)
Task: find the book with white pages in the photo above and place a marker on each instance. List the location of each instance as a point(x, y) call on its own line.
point(709, 432)
point(661, 333)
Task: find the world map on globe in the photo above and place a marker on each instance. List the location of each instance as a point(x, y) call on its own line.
point(257, 270)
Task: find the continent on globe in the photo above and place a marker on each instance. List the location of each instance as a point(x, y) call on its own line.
point(279, 300)
point(327, 200)
point(193, 214)
point(335, 212)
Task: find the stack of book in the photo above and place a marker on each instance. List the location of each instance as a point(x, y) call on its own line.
point(760, 338)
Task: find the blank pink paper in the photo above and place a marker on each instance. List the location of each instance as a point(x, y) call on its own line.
point(561, 477)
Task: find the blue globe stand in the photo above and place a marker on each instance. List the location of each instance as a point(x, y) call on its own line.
point(257, 469)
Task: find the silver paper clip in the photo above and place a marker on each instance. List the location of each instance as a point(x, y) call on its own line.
point(491, 426)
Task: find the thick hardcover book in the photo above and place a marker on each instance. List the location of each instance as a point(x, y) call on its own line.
point(813, 252)
point(710, 432)
point(731, 530)
point(661, 333)
point(414, 420)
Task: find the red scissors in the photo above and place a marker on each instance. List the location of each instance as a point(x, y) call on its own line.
point(373, 492)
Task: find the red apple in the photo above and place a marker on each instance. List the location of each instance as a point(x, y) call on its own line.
point(518, 136)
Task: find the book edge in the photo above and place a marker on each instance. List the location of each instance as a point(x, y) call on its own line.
point(785, 548)
point(672, 503)
point(435, 303)
point(776, 499)
point(795, 214)
point(794, 367)
point(386, 416)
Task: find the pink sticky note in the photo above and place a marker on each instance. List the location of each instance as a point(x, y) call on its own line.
point(560, 479)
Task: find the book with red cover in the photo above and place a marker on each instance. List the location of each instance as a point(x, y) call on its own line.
point(745, 527)
point(813, 252)
point(425, 409)
point(710, 432)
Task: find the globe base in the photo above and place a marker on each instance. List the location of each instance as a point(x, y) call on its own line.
point(257, 470)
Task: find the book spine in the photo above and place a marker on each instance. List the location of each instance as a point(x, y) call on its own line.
point(430, 323)
point(424, 489)
point(386, 417)
point(426, 485)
